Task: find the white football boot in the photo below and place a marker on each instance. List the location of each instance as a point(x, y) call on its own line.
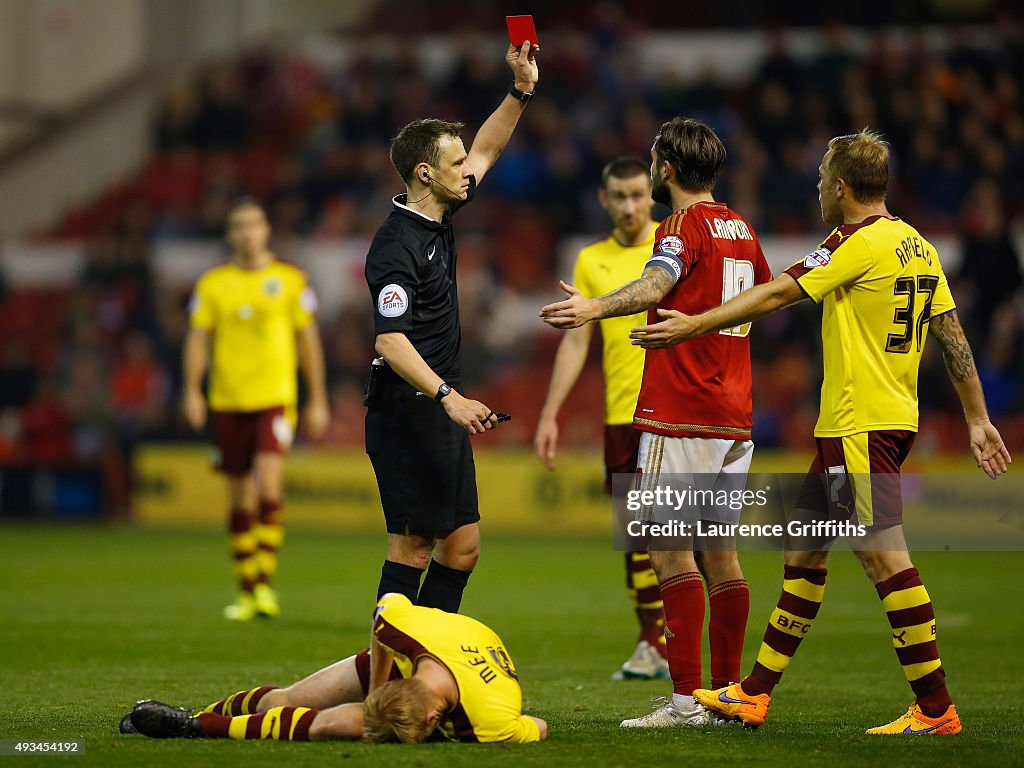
point(667, 715)
point(645, 664)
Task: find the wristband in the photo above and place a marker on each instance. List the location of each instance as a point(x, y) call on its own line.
point(515, 93)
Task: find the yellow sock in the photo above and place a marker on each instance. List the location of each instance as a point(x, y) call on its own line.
point(268, 540)
point(241, 703)
point(281, 723)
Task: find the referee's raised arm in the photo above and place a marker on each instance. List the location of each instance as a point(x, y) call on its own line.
point(418, 420)
point(497, 129)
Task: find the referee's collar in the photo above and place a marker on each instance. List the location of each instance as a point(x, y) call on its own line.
point(399, 202)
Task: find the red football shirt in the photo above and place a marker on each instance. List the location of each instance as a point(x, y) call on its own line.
point(701, 388)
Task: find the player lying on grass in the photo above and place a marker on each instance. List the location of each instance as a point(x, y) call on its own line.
point(430, 674)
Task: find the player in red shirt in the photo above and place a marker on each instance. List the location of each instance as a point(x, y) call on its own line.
point(694, 407)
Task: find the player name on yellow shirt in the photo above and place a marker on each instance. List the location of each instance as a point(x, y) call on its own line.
point(913, 247)
point(875, 314)
point(496, 655)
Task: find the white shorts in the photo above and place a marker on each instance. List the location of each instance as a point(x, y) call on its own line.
point(692, 474)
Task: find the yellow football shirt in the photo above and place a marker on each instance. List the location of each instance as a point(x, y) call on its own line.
point(252, 316)
point(490, 699)
point(879, 282)
point(601, 268)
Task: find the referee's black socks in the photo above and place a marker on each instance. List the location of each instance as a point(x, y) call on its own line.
point(401, 578)
point(442, 588)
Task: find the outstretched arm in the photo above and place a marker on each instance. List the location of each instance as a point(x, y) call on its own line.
point(750, 305)
point(989, 451)
point(637, 296)
point(494, 134)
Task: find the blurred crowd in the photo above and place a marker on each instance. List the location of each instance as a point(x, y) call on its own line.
point(309, 137)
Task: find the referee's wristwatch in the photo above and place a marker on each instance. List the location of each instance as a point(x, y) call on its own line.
point(515, 93)
point(442, 392)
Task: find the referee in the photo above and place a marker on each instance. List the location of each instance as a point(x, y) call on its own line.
point(418, 422)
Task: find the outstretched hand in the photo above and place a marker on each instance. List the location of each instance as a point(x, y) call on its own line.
point(523, 63)
point(989, 450)
point(674, 328)
point(570, 313)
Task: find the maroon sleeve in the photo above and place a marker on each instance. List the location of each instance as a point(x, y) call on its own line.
point(394, 638)
point(820, 256)
point(393, 621)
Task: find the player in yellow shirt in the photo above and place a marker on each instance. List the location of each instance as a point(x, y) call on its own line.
point(602, 267)
point(431, 674)
point(482, 700)
point(883, 293)
point(252, 323)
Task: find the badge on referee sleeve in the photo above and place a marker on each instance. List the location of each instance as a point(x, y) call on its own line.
point(392, 301)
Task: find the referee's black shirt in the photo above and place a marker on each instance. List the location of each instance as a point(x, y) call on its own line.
point(410, 271)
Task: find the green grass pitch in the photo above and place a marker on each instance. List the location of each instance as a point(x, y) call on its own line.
point(92, 619)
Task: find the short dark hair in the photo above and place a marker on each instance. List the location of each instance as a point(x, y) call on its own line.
point(862, 161)
point(625, 168)
point(693, 150)
point(244, 201)
point(418, 143)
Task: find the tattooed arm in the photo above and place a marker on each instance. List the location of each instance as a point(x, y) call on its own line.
point(753, 304)
point(643, 293)
point(989, 451)
point(956, 353)
point(637, 296)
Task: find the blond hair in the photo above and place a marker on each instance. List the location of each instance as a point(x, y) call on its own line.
point(862, 161)
point(397, 711)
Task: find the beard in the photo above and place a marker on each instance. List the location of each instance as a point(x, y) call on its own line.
point(660, 192)
point(831, 217)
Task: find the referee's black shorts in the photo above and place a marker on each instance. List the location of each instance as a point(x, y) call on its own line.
point(423, 462)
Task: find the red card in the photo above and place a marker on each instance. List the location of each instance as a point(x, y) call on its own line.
point(521, 29)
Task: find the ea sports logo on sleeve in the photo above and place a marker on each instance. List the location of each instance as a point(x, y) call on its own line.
point(392, 301)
